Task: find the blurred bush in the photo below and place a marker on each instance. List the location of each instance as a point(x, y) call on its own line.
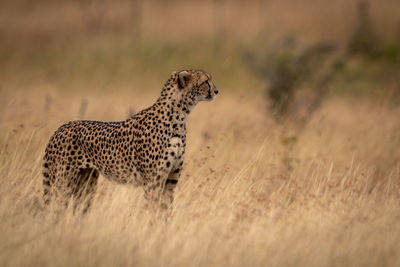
point(287, 67)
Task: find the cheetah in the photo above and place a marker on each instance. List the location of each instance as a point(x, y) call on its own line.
point(146, 150)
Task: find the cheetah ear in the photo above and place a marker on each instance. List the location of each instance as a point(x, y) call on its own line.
point(183, 79)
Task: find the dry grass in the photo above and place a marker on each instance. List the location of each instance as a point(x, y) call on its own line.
point(237, 203)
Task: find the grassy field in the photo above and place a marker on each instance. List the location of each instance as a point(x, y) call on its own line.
point(255, 191)
point(246, 197)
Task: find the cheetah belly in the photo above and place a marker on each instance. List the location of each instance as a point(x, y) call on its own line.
point(132, 177)
point(121, 172)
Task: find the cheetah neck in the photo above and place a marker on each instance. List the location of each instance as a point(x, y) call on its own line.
point(174, 110)
point(179, 105)
point(169, 111)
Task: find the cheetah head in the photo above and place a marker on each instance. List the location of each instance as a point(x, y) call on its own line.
point(196, 85)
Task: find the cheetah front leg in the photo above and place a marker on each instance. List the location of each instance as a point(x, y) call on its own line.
point(175, 156)
point(162, 187)
point(167, 194)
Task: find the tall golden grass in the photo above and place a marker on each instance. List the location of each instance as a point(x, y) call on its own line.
point(247, 196)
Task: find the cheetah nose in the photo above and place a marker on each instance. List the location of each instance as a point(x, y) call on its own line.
point(215, 91)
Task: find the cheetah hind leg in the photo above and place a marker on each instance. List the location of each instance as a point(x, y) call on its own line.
point(85, 188)
point(46, 188)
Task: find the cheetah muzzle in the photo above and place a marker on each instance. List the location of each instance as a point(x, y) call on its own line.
point(147, 149)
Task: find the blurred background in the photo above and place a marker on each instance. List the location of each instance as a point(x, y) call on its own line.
point(279, 49)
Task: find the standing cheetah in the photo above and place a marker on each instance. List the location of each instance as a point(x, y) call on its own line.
point(146, 149)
